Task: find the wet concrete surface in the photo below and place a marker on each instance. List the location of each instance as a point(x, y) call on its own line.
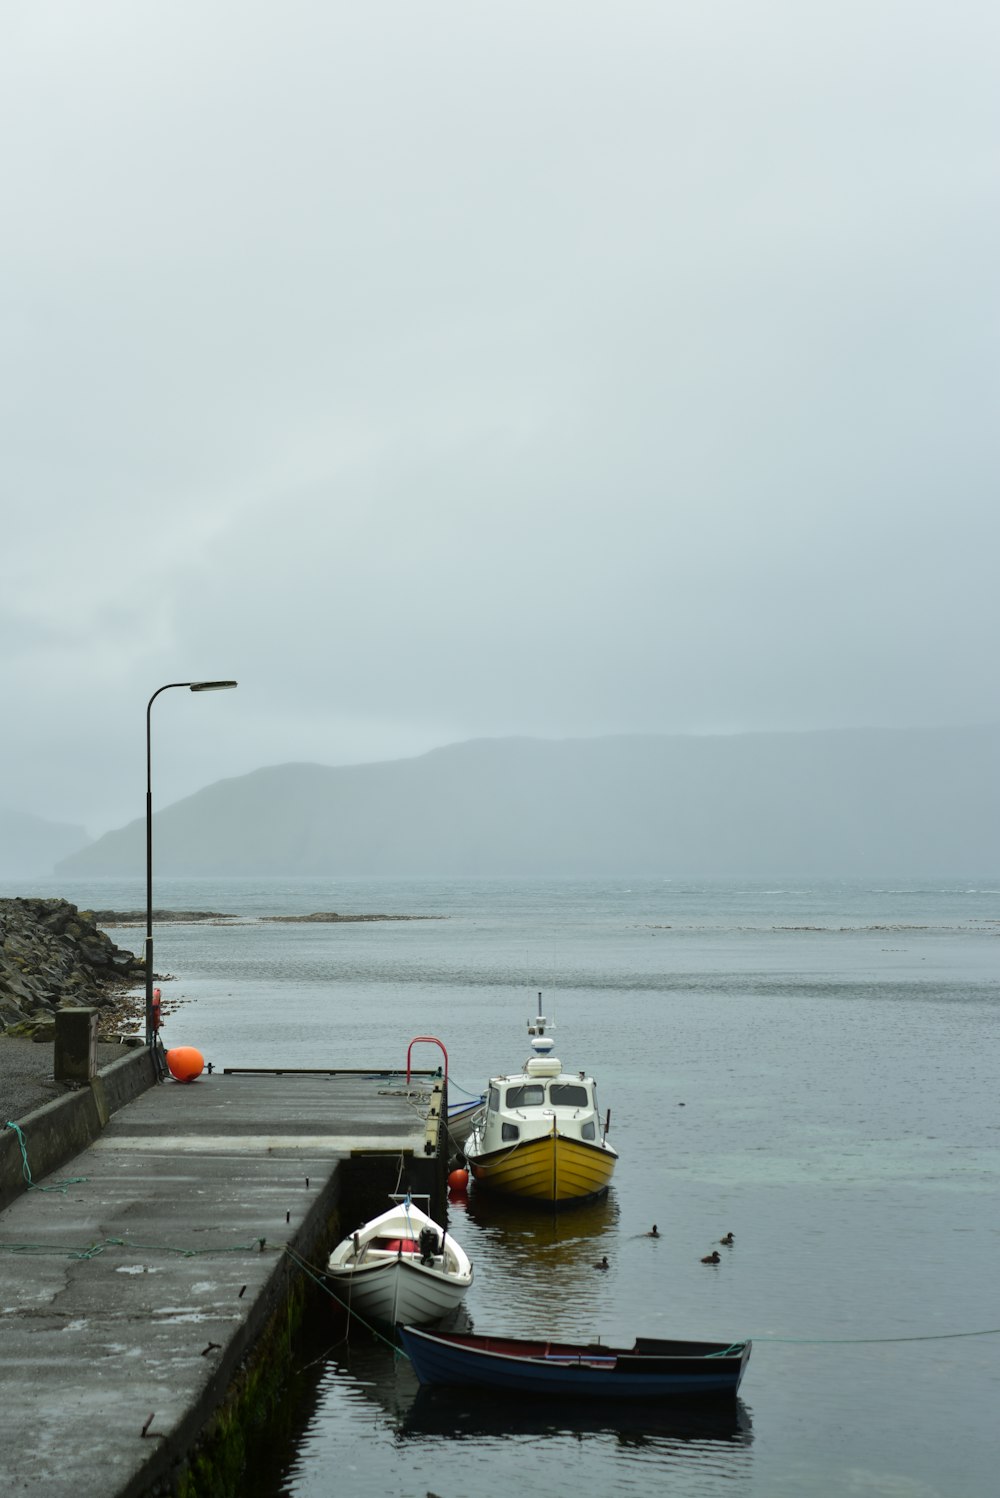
point(133, 1286)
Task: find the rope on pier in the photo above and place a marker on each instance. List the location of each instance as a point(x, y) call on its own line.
point(62, 1185)
point(94, 1249)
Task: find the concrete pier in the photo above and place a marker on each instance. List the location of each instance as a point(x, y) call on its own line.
point(144, 1284)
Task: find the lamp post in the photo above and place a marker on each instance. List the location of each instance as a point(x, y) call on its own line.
point(194, 686)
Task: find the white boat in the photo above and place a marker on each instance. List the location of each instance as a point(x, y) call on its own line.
point(461, 1117)
point(400, 1266)
point(540, 1136)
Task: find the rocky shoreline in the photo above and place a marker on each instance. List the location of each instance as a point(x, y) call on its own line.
point(54, 956)
point(119, 919)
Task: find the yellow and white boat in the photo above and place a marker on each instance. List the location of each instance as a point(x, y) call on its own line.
point(540, 1136)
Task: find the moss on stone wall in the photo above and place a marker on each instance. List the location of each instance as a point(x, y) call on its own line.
point(260, 1412)
point(217, 1466)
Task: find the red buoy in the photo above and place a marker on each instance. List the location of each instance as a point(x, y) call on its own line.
point(185, 1063)
point(458, 1180)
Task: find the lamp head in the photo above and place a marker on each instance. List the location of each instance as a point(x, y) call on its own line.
point(211, 686)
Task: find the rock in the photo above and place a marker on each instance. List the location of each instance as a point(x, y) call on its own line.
point(52, 954)
point(138, 917)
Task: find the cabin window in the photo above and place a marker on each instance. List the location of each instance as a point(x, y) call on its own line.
point(589, 1130)
point(510, 1131)
point(532, 1095)
point(569, 1094)
point(494, 1099)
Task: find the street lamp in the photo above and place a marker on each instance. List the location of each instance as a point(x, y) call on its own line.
point(194, 686)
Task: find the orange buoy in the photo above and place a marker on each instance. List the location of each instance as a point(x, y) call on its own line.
point(458, 1180)
point(185, 1063)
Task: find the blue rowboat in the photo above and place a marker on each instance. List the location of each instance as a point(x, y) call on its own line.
point(651, 1369)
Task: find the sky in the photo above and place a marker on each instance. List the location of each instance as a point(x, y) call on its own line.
point(451, 370)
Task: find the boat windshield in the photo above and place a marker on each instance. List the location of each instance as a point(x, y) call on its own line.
point(568, 1095)
point(530, 1095)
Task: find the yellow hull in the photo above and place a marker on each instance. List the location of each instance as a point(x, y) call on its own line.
point(550, 1169)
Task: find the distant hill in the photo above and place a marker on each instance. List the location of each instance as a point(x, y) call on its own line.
point(916, 801)
point(29, 845)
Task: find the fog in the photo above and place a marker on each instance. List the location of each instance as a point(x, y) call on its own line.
point(455, 371)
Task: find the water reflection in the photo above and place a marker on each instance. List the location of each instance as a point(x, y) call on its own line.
point(534, 1229)
point(535, 1269)
point(378, 1373)
point(459, 1414)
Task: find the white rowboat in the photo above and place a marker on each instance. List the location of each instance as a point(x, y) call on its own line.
point(400, 1267)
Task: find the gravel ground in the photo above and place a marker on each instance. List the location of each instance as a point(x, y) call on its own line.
point(26, 1075)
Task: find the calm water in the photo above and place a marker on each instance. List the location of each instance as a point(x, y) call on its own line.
point(834, 1049)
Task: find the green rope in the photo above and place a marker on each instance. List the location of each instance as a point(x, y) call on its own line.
point(729, 1351)
point(480, 1094)
point(95, 1249)
point(62, 1186)
point(98, 1248)
point(992, 1331)
point(193, 1253)
point(307, 1269)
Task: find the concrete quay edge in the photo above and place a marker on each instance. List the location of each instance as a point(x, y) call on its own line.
point(139, 1303)
point(58, 1130)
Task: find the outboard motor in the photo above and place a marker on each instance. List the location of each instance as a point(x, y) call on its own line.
point(430, 1244)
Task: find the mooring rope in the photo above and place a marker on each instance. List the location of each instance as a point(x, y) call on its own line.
point(317, 1278)
point(452, 1083)
point(991, 1331)
point(733, 1348)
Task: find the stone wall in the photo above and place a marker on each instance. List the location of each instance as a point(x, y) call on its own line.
point(53, 956)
